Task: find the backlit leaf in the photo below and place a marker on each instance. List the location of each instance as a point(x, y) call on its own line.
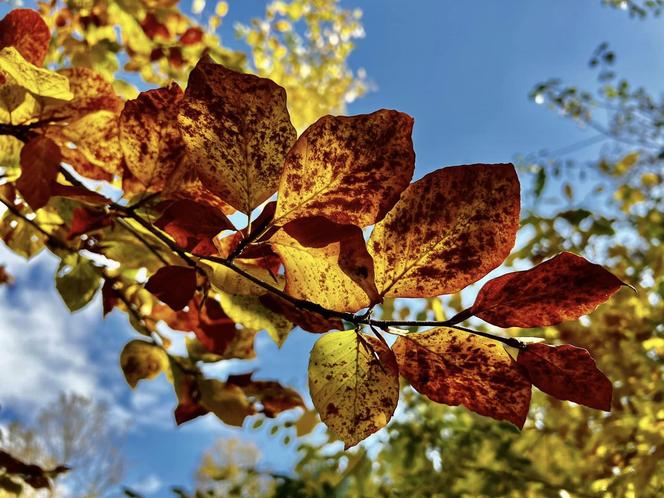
point(40, 160)
point(25, 30)
point(149, 135)
point(250, 312)
point(18, 72)
point(307, 320)
point(86, 220)
point(142, 360)
point(326, 263)
point(237, 130)
point(227, 280)
point(174, 285)
point(562, 288)
point(77, 281)
point(448, 230)
point(354, 384)
point(350, 170)
point(274, 397)
point(567, 372)
point(458, 368)
point(226, 401)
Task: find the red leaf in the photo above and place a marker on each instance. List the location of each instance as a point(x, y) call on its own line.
point(153, 28)
point(85, 220)
point(190, 223)
point(174, 285)
point(40, 159)
point(26, 31)
point(562, 288)
point(81, 194)
point(457, 368)
point(567, 372)
point(109, 296)
point(191, 36)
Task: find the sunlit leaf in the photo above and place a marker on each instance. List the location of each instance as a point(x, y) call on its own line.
point(354, 384)
point(237, 130)
point(18, 72)
point(40, 160)
point(226, 401)
point(562, 288)
point(307, 320)
point(458, 368)
point(274, 397)
point(77, 281)
point(174, 285)
point(448, 230)
point(350, 170)
point(326, 263)
point(26, 31)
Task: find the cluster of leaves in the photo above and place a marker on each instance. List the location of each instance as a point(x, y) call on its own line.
point(637, 8)
point(187, 159)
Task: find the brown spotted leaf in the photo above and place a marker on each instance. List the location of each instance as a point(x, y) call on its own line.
point(237, 131)
point(567, 372)
point(350, 170)
point(458, 368)
point(26, 31)
point(326, 263)
point(174, 285)
point(354, 384)
point(448, 230)
point(40, 160)
point(149, 135)
point(562, 288)
point(192, 224)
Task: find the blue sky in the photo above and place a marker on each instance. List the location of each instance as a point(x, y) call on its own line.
point(463, 69)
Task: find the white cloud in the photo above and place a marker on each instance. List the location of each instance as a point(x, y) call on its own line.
point(148, 485)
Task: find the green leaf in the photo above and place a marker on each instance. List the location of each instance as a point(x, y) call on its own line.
point(77, 281)
point(248, 311)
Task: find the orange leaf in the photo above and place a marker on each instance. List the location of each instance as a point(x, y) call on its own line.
point(191, 36)
point(26, 31)
point(567, 372)
point(149, 135)
point(40, 160)
point(562, 288)
point(458, 368)
point(349, 169)
point(326, 263)
point(237, 130)
point(274, 397)
point(85, 220)
point(448, 230)
point(174, 285)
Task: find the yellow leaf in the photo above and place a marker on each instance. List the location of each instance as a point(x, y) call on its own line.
point(228, 402)
point(349, 169)
point(448, 230)
point(354, 384)
point(142, 360)
point(237, 131)
point(226, 280)
point(16, 71)
point(326, 263)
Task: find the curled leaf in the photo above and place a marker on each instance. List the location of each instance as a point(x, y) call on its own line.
point(142, 360)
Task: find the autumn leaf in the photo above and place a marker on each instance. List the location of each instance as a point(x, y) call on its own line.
point(186, 385)
point(274, 397)
point(227, 280)
point(226, 401)
point(354, 384)
point(86, 220)
point(250, 312)
point(40, 160)
point(458, 368)
point(142, 360)
point(149, 135)
point(448, 230)
point(174, 285)
point(350, 170)
point(567, 372)
point(77, 281)
point(562, 288)
point(326, 263)
point(192, 224)
point(237, 130)
point(26, 31)
point(21, 75)
point(34, 475)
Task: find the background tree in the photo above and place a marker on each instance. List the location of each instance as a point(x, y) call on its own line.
point(75, 430)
